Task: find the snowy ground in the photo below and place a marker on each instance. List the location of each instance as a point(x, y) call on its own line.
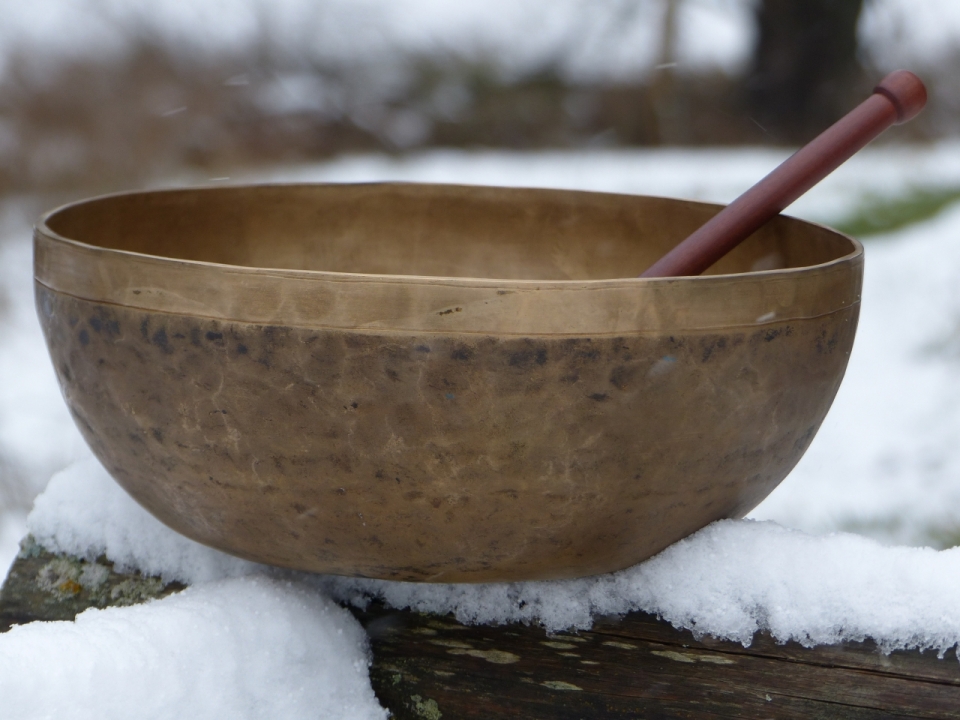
point(886, 464)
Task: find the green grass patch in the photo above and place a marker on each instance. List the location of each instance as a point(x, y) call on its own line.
point(877, 214)
point(892, 530)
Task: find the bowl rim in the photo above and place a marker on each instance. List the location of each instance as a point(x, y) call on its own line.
point(43, 227)
point(303, 297)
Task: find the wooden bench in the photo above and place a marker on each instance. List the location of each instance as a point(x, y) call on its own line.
point(427, 667)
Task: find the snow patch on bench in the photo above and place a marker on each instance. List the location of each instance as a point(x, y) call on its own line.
point(730, 580)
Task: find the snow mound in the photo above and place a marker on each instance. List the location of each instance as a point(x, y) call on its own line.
point(83, 512)
point(239, 648)
point(730, 580)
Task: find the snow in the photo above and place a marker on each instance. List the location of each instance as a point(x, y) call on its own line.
point(84, 513)
point(243, 648)
point(608, 38)
point(711, 175)
point(13, 526)
point(900, 33)
point(886, 459)
point(886, 464)
point(37, 434)
point(729, 580)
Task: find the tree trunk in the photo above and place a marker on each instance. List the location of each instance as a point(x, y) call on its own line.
point(805, 72)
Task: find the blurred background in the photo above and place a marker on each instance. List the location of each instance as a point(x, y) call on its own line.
point(693, 98)
point(111, 93)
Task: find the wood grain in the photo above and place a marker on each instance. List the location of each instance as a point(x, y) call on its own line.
point(638, 666)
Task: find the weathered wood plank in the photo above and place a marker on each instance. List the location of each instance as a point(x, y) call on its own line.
point(44, 586)
point(616, 670)
point(427, 667)
point(865, 655)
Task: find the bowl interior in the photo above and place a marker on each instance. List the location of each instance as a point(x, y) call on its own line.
point(427, 230)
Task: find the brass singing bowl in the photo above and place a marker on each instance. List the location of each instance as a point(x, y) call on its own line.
point(438, 383)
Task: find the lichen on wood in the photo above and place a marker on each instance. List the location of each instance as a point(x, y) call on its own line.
point(43, 585)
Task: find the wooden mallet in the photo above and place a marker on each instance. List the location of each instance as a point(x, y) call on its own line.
point(898, 98)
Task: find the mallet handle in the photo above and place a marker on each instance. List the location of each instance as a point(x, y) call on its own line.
point(898, 98)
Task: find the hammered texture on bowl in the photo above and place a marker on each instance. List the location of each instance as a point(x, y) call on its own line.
point(550, 423)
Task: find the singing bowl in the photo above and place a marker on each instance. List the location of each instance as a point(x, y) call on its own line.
point(434, 382)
